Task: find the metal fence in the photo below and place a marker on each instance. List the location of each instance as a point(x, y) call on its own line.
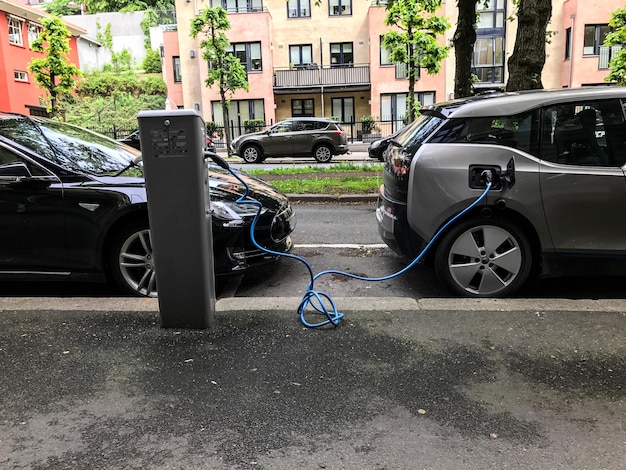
point(353, 129)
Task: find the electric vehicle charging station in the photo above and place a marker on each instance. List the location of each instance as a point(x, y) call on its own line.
point(172, 145)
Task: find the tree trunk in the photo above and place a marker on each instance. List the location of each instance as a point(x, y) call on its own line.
point(529, 55)
point(464, 40)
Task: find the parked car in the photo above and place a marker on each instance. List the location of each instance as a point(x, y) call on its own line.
point(376, 149)
point(71, 209)
point(557, 206)
point(295, 137)
point(133, 140)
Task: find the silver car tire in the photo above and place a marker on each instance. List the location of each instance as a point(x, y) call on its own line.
point(323, 154)
point(252, 154)
point(132, 260)
point(484, 258)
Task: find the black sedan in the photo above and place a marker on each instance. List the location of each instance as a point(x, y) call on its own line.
point(73, 206)
point(377, 148)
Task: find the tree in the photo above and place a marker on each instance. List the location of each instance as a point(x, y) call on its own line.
point(414, 41)
point(54, 72)
point(529, 54)
point(225, 69)
point(617, 37)
point(61, 7)
point(463, 40)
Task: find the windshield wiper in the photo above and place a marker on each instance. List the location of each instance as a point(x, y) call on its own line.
point(134, 163)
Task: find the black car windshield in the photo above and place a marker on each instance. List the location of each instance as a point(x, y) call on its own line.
point(84, 150)
point(68, 146)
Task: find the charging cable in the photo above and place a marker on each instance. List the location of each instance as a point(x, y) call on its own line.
point(321, 302)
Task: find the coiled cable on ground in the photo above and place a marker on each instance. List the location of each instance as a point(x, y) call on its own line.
point(321, 302)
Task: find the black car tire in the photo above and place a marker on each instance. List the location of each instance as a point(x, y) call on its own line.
point(323, 154)
point(252, 154)
point(483, 257)
point(131, 260)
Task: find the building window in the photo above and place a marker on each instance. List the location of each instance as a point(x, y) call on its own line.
point(238, 6)
point(492, 16)
point(15, 31)
point(594, 38)
point(176, 66)
point(20, 76)
point(568, 43)
point(300, 54)
point(239, 112)
point(299, 8)
point(384, 54)
point(343, 108)
point(341, 54)
point(488, 60)
point(34, 30)
point(393, 106)
point(339, 7)
point(303, 107)
point(249, 53)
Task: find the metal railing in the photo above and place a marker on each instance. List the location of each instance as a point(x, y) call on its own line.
point(312, 75)
point(606, 54)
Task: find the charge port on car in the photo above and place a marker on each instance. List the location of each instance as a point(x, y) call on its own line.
point(477, 179)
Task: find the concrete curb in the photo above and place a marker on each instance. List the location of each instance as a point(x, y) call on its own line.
point(344, 304)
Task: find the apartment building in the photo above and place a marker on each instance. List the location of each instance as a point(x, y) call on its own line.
point(305, 59)
point(20, 25)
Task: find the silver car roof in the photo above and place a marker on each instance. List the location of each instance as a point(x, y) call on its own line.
point(510, 103)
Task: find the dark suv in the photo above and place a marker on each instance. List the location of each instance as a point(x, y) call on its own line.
point(295, 137)
point(557, 161)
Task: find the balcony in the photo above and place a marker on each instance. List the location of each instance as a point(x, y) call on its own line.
point(311, 77)
point(606, 54)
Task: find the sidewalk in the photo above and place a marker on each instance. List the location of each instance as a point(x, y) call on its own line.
point(400, 384)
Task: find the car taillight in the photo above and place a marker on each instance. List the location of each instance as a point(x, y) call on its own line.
point(339, 132)
point(398, 162)
point(208, 141)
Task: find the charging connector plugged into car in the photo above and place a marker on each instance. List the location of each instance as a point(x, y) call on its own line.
point(481, 175)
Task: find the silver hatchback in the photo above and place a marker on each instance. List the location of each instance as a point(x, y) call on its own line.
point(558, 203)
point(319, 138)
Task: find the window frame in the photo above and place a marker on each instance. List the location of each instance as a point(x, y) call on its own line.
point(340, 8)
point(341, 54)
point(16, 37)
point(299, 48)
point(20, 76)
point(298, 9)
point(303, 106)
point(598, 38)
point(34, 31)
point(494, 66)
point(176, 69)
point(247, 60)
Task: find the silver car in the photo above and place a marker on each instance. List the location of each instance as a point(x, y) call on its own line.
point(558, 202)
point(319, 138)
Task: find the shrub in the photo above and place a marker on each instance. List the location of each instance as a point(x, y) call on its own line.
point(368, 125)
point(152, 86)
point(152, 62)
point(253, 125)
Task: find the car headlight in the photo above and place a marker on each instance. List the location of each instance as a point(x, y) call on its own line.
point(234, 214)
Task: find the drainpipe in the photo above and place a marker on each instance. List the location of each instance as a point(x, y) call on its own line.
point(571, 51)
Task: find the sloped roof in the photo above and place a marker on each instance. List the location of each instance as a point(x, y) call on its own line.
point(34, 14)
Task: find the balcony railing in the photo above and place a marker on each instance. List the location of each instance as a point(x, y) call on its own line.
point(606, 54)
point(313, 76)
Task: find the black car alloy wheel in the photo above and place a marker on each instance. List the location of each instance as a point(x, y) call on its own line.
point(132, 261)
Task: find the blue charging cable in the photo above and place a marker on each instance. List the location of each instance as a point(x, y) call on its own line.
point(321, 302)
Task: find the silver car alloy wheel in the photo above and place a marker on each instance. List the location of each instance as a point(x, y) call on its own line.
point(251, 154)
point(323, 154)
point(485, 259)
point(137, 263)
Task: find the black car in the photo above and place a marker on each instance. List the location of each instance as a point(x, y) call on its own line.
point(132, 140)
point(377, 148)
point(73, 206)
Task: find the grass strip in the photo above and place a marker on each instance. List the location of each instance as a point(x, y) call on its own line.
point(296, 170)
point(333, 186)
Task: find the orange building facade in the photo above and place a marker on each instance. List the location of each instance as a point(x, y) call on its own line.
point(19, 26)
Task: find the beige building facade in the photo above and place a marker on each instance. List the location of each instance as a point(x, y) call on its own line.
point(326, 60)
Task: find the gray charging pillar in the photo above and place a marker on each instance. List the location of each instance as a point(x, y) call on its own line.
point(172, 145)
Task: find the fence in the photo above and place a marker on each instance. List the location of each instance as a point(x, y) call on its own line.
point(354, 131)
